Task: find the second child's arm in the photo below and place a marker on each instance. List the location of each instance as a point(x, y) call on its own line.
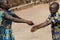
point(44, 24)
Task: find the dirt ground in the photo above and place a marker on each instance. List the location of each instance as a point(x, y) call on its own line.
point(37, 14)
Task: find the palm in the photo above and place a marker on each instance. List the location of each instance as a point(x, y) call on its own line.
point(35, 28)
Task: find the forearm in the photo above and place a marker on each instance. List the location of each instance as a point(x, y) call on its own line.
point(43, 24)
point(19, 20)
point(36, 27)
point(9, 17)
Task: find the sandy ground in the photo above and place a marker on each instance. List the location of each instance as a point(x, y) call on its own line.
point(37, 14)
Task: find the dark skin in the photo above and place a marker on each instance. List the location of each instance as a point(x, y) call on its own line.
point(53, 9)
point(14, 17)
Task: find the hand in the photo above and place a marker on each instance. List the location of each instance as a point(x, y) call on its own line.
point(30, 23)
point(36, 27)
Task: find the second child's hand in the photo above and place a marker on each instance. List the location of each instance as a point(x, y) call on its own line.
point(44, 24)
point(36, 27)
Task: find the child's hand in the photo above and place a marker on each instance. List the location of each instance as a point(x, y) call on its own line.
point(35, 28)
point(30, 23)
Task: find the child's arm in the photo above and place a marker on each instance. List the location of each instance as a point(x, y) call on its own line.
point(9, 17)
point(44, 24)
point(14, 15)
